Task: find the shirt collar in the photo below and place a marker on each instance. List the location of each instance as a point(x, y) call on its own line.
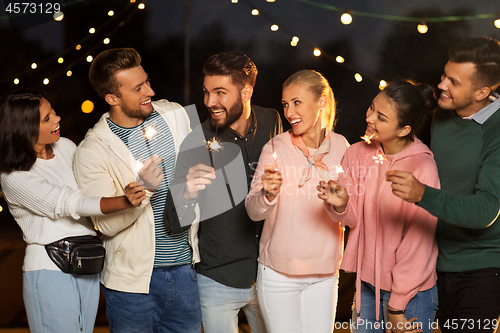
point(482, 115)
point(232, 133)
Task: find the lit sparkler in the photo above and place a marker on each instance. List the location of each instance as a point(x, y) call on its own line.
point(138, 166)
point(367, 138)
point(339, 169)
point(379, 158)
point(275, 155)
point(149, 132)
point(214, 144)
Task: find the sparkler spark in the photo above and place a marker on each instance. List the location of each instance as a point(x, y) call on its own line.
point(379, 158)
point(339, 169)
point(214, 144)
point(367, 138)
point(138, 166)
point(149, 132)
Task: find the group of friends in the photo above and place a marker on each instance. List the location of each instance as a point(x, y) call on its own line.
point(256, 223)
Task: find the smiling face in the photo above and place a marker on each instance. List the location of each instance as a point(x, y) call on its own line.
point(223, 100)
point(49, 126)
point(382, 122)
point(457, 88)
point(302, 109)
point(134, 98)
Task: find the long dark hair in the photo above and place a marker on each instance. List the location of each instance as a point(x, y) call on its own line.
point(19, 129)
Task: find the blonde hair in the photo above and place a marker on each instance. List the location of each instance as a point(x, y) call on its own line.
point(319, 86)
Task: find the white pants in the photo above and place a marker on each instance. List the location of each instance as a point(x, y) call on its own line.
point(297, 303)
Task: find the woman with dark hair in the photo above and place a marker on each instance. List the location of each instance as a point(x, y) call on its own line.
point(37, 179)
point(391, 244)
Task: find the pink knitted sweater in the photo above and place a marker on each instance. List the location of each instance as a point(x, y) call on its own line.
point(298, 236)
point(391, 243)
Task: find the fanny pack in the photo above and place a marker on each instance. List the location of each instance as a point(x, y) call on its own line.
point(80, 255)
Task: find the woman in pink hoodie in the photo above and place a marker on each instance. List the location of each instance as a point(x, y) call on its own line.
point(300, 247)
point(391, 243)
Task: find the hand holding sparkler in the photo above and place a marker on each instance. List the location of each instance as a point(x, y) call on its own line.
point(197, 179)
point(405, 185)
point(150, 176)
point(334, 194)
point(271, 181)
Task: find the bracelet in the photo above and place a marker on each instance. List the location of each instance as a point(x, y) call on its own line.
point(396, 312)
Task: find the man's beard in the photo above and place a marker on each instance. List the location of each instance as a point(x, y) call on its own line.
point(232, 115)
point(138, 113)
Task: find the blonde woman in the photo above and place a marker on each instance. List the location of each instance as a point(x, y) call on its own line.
point(300, 246)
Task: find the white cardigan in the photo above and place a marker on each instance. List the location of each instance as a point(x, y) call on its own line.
point(47, 205)
point(104, 166)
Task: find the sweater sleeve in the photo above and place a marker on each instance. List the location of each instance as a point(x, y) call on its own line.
point(475, 211)
point(417, 254)
point(347, 179)
point(256, 203)
point(43, 198)
point(92, 175)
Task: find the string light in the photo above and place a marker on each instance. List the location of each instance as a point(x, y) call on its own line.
point(69, 73)
point(89, 58)
point(294, 41)
point(111, 13)
point(78, 47)
point(358, 77)
point(234, 1)
point(92, 30)
point(382, 84)
point(87, 106)
point(422, 27)
point(497, 23)
point(58, 16)
point(106, 41)
point(34, 65)
point(46, 81)
point(60, 60)
point(317, 52)
point(255, 12)
point(274, 27)
point(270, 0)
point(1, 209)
point(141, 6)
point(16, 81)
point(339, 59)
point(400, 18)
point(346, 18)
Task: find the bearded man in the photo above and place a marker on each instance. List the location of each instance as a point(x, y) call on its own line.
point(214, 172)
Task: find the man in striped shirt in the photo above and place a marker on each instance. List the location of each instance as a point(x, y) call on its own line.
point(148, 277)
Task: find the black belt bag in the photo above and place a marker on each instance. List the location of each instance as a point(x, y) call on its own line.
point(80, 255)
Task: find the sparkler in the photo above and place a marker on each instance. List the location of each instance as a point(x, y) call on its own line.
point(138, 166)
point(339, 169)
point(367, 138)
point(149, 132)
point(214, 145)
point(275, 155)
point(379, 158)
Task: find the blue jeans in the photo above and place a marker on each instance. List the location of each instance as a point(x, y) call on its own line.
point(220, 305)
point(469, 301)
point(423, 306)
point(172, 305)
point(60, 302)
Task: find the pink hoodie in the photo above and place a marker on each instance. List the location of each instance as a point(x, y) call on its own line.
point(391, 243)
